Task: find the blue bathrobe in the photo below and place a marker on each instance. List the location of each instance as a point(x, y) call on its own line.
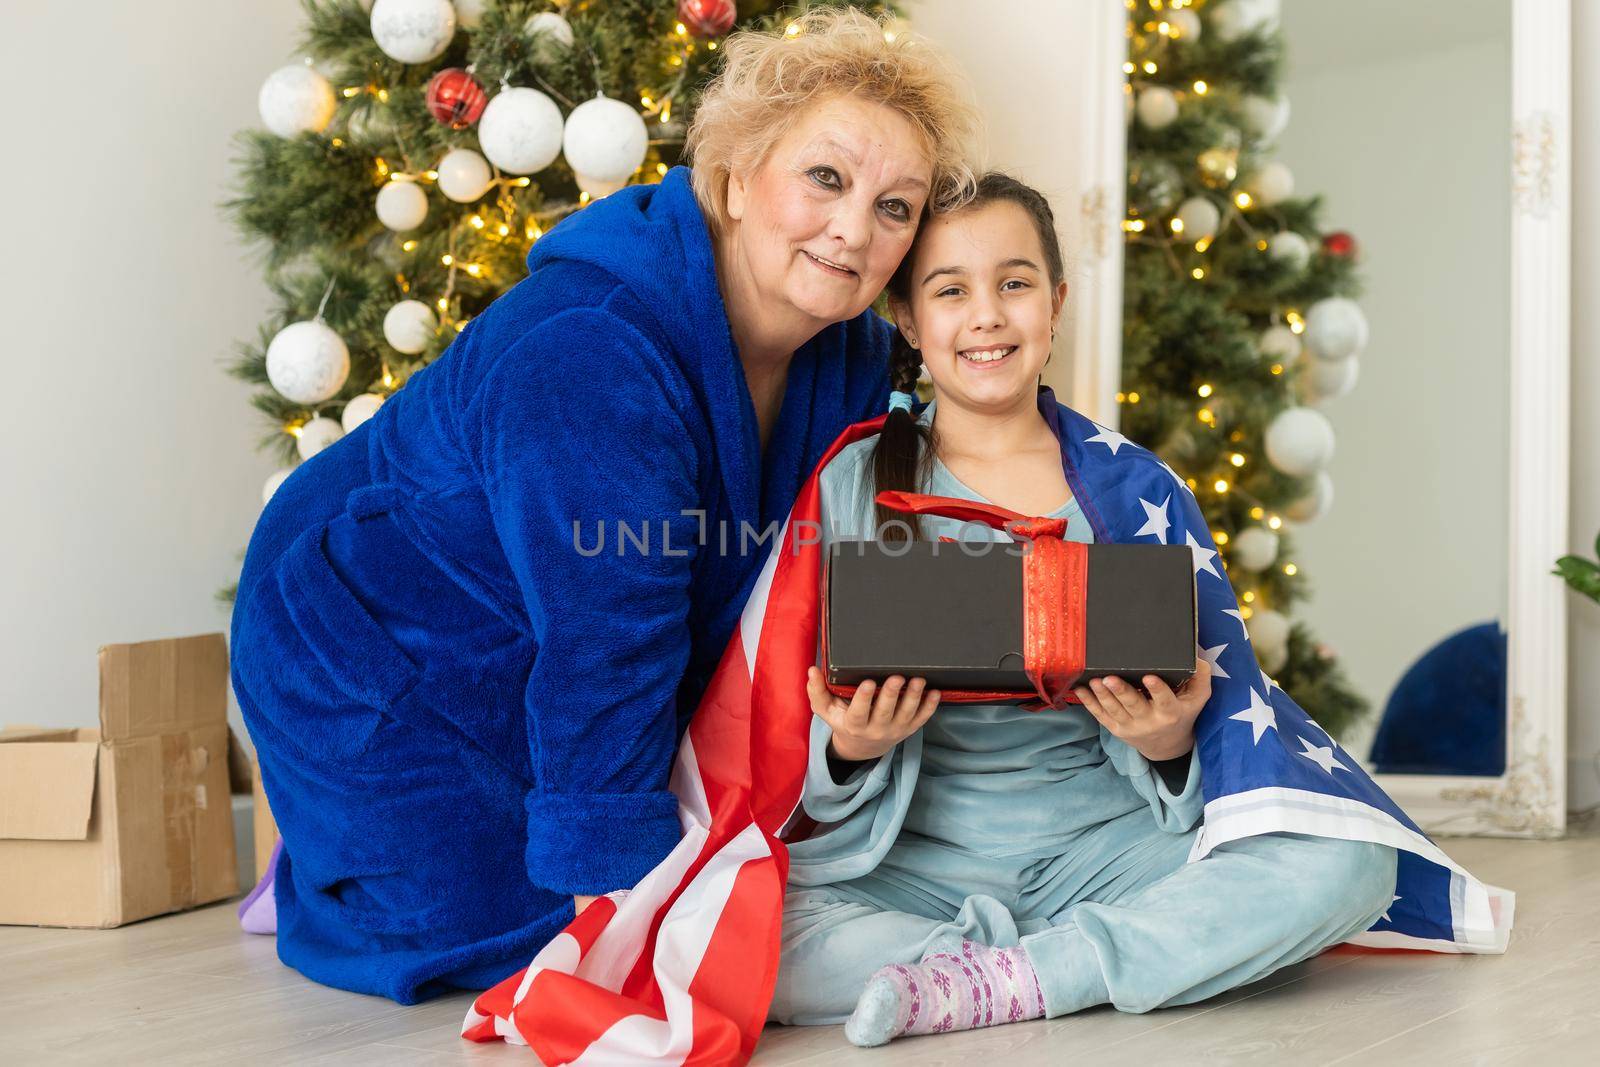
point(465, 712)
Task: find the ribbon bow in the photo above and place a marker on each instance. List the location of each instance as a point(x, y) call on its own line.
point(1055, 586)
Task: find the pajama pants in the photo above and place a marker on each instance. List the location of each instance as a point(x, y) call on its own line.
point(1117, 916)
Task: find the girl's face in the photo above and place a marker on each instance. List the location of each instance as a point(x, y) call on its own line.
point(982, 308)
point(828, 216)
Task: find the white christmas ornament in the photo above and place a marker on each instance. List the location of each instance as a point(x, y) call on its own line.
point(1299, 442)
point(409, 326)
point(469, 13)
point(597, 188)
point(605, 139)
point(1233, 19)
point(1157, 107)
point(549, 32)
point(275, 479)
point(1200, 218)
point(1336, 328)
point(1185, 24)
point(464, 175)
point(316, 435)
point(1329, 379)
point(1265, 117)
point(1279, 344)
point(307, 362)
point(295, 99)
point(1255, 548)
point(359, 410)
point(1315, 503)
point(413, 31)
point(521, 131)
point(1290, 249)
point(402, 206)
point(1269, 636)
point(1272, 184)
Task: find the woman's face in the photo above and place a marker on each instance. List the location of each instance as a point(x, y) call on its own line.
point(825, 219)
point(982, 308)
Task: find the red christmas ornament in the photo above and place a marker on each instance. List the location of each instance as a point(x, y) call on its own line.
point(1339, 244)
point(707, 18)
point(455, 98)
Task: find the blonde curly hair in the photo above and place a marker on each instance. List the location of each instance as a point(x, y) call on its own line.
point(769, 78)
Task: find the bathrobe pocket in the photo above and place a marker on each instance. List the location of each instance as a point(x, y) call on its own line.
point(352, 647)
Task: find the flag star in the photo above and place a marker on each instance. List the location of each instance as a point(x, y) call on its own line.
point(1202, 556)
point(1155, 519)
point(1385, 915)
point(1110, 438)
point(1322, 756)
point(1266, 679)
point(1236, 613)
point(1324, 730)
point(1211, 656)
point(1259, 715)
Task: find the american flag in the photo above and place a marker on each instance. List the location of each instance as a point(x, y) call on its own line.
point(680, 969)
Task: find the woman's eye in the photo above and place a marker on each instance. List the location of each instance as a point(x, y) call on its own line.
point(898, 210)
point(825, 176)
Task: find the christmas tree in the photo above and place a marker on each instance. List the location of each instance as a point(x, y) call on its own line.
point(1238, 317)
point(421, 147)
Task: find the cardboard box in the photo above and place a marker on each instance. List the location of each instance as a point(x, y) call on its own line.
point(953, 615)
point(266, 830)
point(100, 827)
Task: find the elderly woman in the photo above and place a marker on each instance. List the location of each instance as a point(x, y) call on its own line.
point(469, 635)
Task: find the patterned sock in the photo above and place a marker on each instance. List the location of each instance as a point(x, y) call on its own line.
point(949, 990)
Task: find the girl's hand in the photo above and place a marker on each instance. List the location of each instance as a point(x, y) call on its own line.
point(1160, 726)
point(875, 720)
point(579, 903)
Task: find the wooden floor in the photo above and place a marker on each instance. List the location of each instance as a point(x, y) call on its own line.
point(192, 989)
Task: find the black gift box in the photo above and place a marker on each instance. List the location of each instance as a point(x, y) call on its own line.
point(953, 614)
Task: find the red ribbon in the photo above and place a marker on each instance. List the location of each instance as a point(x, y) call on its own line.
point(1055, 585)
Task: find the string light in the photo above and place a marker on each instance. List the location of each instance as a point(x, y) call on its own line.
point(408, 246)
point(431, 175)
point(1249, 597)
point(1275, 522)
point(1204, 390)
point(475, 270)
point(711, 46)
point(447, 259)
point(1149, 66)
point(1256, 513)
point(1290, 569)
point(1199, 86)
point(1128, 68)
point(1198, 273)
point(1133, 398)
point(477, 222)
point(1222, 485)
point(1133, 225)
point(503, 229)
point(1277, 368)
point(1202, 244)
point(383, 95)
point(791, 30)
point(661, 169)
point(1236, 459)
point(1242, 199)
point(1220, 536)
point(1205, 416)
point(444, 304)
point(1176, 224)
point(681, 30)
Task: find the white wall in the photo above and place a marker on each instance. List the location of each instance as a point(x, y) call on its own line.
point(130, 474)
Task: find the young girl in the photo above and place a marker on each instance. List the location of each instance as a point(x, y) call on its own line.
point(980, 864)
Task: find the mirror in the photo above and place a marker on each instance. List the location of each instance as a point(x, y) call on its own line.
point(1400, 120)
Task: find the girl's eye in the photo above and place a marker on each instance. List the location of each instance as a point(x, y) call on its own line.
point(825, 176)
point(1018, 282)
point(898, 210)
point(952, 291)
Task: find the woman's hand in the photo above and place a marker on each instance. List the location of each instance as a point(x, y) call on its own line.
point(875, 720)
point(1160, 726)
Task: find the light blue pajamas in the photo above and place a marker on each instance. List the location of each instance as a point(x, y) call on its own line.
point(1001, 825)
